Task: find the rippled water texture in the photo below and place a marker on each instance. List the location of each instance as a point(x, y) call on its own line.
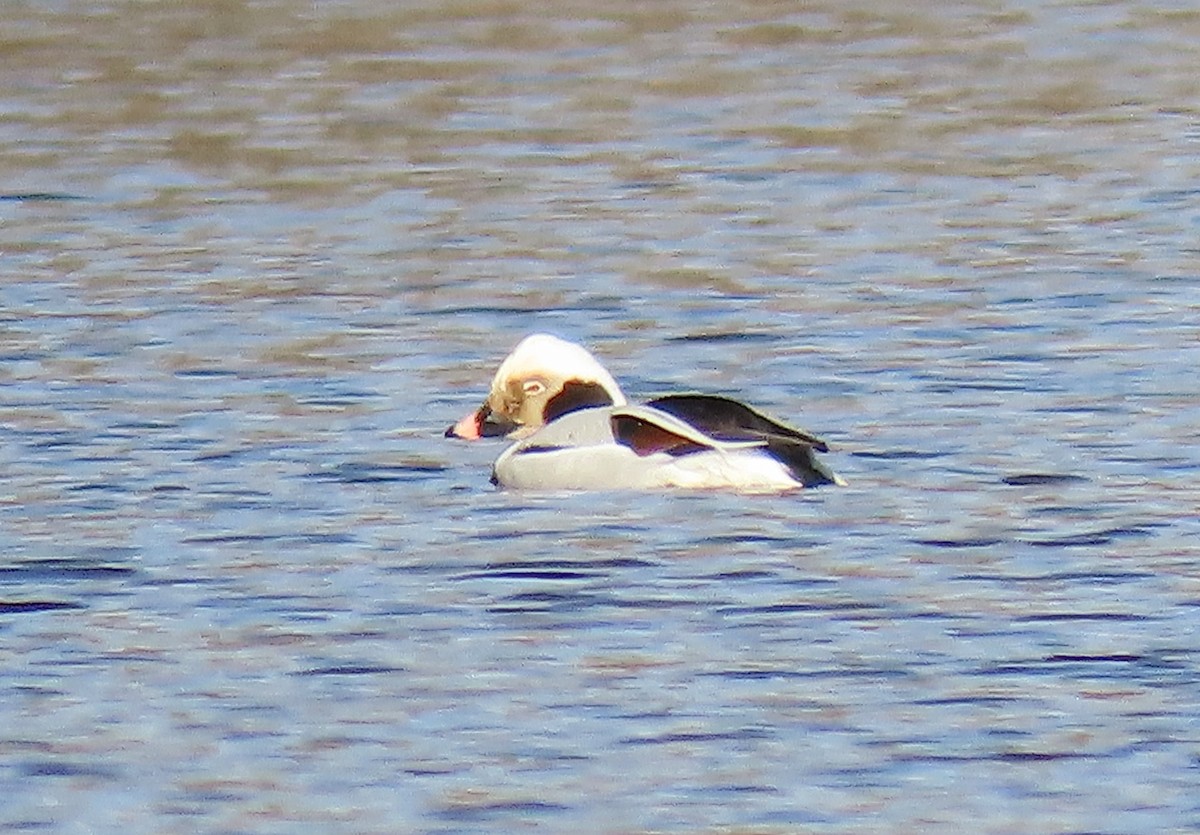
point(255, 256)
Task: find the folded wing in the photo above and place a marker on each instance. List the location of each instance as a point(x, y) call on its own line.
point(725, 419)
point(686, 424)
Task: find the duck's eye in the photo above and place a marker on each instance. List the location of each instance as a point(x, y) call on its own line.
point(533, 388)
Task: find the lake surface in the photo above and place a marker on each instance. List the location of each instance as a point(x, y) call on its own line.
point(256, 256)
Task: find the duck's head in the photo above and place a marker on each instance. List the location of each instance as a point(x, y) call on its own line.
point(544, 377)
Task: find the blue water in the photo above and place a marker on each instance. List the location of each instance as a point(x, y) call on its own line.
point(250, 270)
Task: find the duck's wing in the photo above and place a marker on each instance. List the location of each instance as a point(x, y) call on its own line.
point(725, 419)
point(651, 428)
point(647, 430)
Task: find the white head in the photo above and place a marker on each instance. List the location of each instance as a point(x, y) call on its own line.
point(542, 378)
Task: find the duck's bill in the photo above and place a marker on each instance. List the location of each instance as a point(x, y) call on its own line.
point(481, 423)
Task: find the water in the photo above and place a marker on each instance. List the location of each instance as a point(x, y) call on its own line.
point(254, 257)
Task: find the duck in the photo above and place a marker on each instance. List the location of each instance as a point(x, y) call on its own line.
point(573, 429)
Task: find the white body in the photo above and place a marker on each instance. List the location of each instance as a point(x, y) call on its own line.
point(579, 452)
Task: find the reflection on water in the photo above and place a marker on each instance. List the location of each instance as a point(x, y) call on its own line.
point(255, 256)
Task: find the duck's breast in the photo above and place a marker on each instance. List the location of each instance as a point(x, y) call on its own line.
point(575, 452)
point(596, 467)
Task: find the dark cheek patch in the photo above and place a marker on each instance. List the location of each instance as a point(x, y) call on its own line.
point(646, 438)
point(576, 395)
